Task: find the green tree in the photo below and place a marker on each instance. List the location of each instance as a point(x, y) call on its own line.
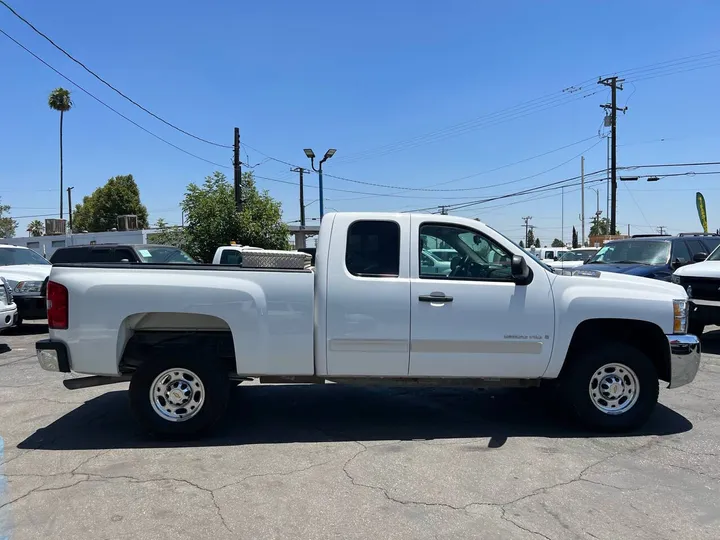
point(601, 227)
point(59, 100)
point(36, 228)
point(537, 242)
point(575, 243)
point(522, 244)
point(99, 211)
point(530, 237)
point(8, 225)
point(212, 220)
point(558, 243)
point(169, 235)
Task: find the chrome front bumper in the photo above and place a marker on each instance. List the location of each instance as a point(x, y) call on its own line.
point(684, 359)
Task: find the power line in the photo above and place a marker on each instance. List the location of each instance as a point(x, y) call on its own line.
point(99, 78)
point(106, 105)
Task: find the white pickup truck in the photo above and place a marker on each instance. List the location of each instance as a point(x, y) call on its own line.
point(368, 314)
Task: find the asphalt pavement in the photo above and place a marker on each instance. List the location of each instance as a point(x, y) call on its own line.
point(317, 462)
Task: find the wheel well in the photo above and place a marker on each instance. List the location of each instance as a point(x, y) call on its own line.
point(642, 335)
point(146, 345)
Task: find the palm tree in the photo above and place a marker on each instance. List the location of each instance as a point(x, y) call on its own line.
point(59, 100)
point(36, 228)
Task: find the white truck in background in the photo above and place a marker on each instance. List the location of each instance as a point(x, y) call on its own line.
point(368, 314)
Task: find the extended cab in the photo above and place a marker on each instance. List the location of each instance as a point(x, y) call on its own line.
point(370, 314)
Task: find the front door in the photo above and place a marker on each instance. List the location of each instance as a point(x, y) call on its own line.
point(476, 321)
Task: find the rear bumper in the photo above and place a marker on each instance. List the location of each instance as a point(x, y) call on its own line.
point(52, 355)
point(685, 352)
point(31, 307)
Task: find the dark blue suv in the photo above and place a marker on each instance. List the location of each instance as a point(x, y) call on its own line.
point(653, 256)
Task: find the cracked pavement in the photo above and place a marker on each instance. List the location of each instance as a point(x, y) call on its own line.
point(343, 462)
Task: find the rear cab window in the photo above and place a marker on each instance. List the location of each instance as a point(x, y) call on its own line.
point(373, 249)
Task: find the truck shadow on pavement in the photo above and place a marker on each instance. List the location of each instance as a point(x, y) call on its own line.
point(327, 413)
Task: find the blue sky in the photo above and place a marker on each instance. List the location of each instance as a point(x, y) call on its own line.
point(359, 77)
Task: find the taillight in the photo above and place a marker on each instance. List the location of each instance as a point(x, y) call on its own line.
point(57, 306)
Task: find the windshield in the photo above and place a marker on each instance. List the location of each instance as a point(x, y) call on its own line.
point(569, 256)
point(164, 254)
point(715, 255)
point(17, 256)
point(633, 252)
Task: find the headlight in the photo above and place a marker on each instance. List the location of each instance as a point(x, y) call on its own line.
point(680, 316)
point(4, 296)
point(27, 287)
point(675, 279)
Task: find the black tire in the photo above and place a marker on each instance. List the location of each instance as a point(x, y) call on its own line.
point(583, 369)
point(696, 328)
point(215, 399)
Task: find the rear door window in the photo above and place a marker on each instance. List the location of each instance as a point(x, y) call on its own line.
point(373, 249)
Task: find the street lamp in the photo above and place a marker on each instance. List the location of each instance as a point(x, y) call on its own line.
point(310, 154)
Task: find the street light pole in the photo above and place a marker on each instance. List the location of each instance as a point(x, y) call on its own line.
point(309, 153)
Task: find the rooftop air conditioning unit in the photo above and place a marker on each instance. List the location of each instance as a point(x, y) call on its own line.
point(127, 223)
point(54, 227)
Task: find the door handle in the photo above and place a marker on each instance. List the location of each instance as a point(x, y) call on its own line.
point(438, 297)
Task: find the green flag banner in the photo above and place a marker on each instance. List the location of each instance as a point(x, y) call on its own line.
point(702, 212)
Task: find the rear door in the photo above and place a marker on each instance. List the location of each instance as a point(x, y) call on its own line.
point(476, 322)
point(368, 293)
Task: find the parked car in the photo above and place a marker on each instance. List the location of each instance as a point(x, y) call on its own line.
point(117, 253)
point(26, 273)
point(8, 308)
point(443, 254)
point(547, 254)
point(573, 258)
point(369, 314)
point(432, 265)
point(702, 283)
point(652, 256)
point(232, 254)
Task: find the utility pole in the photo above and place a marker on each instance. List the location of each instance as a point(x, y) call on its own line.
point(237, 172)
point(527, 228)
point(582, 199)
point(443, 211)
point(69, 191)
point(614, 84)
point(661, 229)
point(302, 195)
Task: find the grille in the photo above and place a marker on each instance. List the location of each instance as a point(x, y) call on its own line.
point(702, 288)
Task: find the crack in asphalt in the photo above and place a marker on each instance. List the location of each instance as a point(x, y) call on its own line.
point(11, 362)
point(501, 505)
point(85, 477)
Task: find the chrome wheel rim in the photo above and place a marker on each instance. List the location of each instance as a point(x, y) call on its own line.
point(614, 388)
point(177, 395)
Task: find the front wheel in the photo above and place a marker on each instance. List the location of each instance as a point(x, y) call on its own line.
point(613, 388)
point(178, 397)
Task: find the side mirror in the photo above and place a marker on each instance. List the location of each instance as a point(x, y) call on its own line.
point(519, 270)
point(700, 257)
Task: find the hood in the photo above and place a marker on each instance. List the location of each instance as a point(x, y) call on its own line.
point(634, 269)
point(25, 272)
point(705, 269)
point(618, 281)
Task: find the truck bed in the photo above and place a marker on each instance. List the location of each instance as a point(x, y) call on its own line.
point(268, 312)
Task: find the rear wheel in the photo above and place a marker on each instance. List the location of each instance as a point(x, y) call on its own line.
point(178, 397)
point(612, 388)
